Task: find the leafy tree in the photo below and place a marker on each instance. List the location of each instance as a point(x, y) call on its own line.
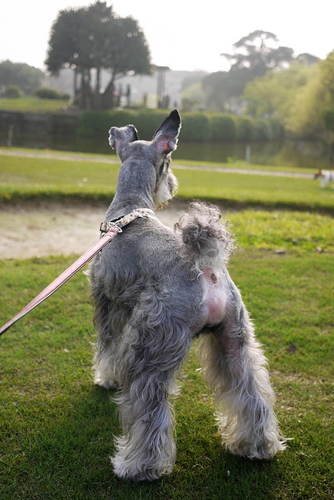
point(304, 118)
point(223, 89)
point(313, 105)
point(258, 52)
point(252, 56)
point(302, 96)
point(193, 98)
point(93, 38)
point(21, 75)
point(275, 92)
point(327, 77)
point(126, 52)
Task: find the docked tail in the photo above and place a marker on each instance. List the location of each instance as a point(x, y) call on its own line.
point(207, 242)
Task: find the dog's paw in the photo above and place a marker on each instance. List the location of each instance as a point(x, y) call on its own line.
point(107, 384)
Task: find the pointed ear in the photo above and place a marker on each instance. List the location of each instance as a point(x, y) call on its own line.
point(167, 134)
point(119, 138)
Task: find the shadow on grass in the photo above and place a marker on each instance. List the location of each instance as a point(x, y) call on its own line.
point(65, 454)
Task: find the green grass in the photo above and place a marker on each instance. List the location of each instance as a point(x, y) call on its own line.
point(30, 178)
point(297, 233)
point(56, 427)
point(33, 105)
point(242, 165)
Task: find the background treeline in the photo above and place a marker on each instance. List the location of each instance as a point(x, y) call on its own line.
point(266, 87)
point(300, 95)
point(196, 127)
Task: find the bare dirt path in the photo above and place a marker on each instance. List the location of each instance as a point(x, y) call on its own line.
point(31, 230)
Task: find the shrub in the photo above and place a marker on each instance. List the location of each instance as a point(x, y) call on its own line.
point(148, 121)
point(328, 119)
point(47, 93)
point(276, 127)
point(94, 123)
point(196, 127)
point(12, 92)
point(245, 128)
point(97, 123)
point(223, 128)
point(263, 130)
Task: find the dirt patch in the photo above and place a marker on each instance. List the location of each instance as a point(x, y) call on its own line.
point(29, 230)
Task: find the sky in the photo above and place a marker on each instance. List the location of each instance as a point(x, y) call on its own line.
point(181, 34)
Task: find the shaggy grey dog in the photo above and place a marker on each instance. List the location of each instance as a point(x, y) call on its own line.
point(154, 290)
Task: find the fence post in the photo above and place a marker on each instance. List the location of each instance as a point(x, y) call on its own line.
point(248, 153)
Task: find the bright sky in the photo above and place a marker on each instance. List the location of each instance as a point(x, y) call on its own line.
point(182, 34)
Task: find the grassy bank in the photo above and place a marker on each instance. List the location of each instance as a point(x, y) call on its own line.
point(33, 105)
point(32, 178)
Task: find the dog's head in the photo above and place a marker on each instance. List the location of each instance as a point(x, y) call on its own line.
point(147, 154)
point(318, 174)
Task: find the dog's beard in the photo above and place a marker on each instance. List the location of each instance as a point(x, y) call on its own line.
point(165, 190)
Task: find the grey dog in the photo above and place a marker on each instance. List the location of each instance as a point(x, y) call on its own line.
point(155, 290)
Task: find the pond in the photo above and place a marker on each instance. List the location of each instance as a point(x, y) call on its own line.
point(298, 153)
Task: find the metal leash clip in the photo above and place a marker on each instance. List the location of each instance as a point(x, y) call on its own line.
point(106, 226)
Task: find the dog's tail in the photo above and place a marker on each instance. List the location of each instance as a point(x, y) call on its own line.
point(207, 241)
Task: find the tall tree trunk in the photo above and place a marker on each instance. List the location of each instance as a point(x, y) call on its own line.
point(86, 98)
point(97, 95)
point(108, 97)
point(75, 83)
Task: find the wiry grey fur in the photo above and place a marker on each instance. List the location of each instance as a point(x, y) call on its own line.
point(154, 290)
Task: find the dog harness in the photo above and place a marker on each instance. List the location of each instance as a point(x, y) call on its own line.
point(108, 232)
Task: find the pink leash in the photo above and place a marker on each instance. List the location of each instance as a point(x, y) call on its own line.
point(111, 229)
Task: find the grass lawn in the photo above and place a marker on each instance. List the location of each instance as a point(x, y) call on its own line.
point(28, 178)
point(33, 105)
point(56, 427)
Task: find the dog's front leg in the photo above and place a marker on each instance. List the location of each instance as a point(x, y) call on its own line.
point(235, 370)
point(151, 354)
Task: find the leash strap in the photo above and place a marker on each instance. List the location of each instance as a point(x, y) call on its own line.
point(114, 228)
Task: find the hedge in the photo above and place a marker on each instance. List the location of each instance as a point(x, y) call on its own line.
point(196, 127)
point(223, 128)
point(47, 93)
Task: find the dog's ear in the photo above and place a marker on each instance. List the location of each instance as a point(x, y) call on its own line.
point(167, 134)
point(119, 138)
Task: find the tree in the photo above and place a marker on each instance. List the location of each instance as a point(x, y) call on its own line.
point(126, 52)
point(258, 52)
point(275, 92)
point(223, 89)
point(91, 39)
point(302, 96)
point(327, 76)
point(253, 55)
point(28, 78)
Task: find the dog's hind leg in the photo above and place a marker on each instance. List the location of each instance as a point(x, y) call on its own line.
point(153, 350)
point(235, 370)
point(109, 321)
